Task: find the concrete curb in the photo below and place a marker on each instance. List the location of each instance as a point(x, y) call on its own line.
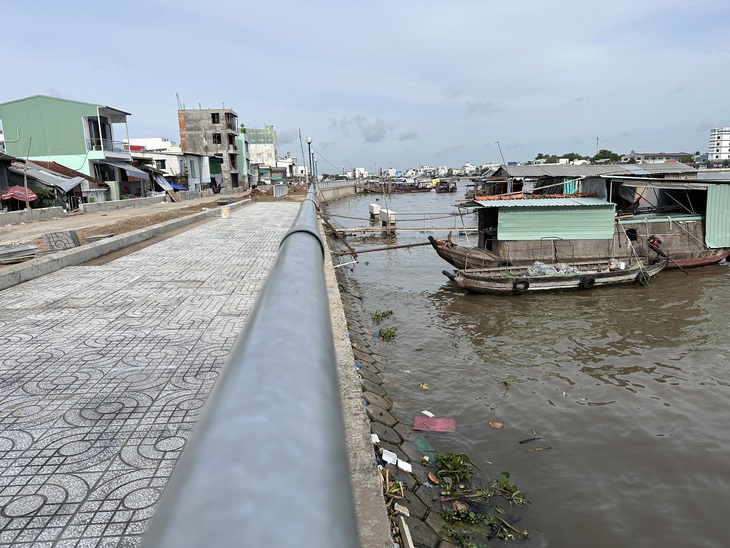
point(35, 268)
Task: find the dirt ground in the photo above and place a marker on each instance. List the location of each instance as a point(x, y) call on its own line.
point(128, 219)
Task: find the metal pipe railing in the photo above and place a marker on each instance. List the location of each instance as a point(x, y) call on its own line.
point(267, 464)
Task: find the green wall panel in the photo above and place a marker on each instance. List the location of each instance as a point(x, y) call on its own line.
point(568, 223)
point(717, 218)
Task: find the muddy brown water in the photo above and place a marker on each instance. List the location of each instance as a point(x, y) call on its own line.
point(627, 387)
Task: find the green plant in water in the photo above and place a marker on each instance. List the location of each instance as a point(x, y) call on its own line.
point(476, 520)
point(379, 315)
point(507, 382)
point(494, 525)
point(508, 490)
point(457, 466)
point(387, 333)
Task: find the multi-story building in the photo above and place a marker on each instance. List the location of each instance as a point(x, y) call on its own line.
point(75, 134)
point(262, 150)
point(245, 173)
point(212, 132)
point(719, 150)
point(262, 143)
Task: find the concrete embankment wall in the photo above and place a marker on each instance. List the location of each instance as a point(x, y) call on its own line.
point(48, 213)
point(30, 215)
point(97, 207)
point(112, 205)
point(333, 193)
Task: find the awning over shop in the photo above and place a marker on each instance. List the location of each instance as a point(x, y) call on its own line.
point(162, 182)
point(50, 179)
point(129, 168)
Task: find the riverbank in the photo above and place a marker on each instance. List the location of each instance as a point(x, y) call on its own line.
point(412, 514)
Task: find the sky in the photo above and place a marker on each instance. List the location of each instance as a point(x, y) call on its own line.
point(391, 84)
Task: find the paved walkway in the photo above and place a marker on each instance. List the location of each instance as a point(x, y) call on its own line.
point(104, 370)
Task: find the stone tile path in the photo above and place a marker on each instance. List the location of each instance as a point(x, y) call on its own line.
point(104, 370)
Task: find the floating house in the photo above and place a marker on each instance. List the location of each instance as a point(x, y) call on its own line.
point(561, 213)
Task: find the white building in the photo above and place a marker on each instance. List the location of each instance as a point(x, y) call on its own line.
point(186, 169)
point(719, 150)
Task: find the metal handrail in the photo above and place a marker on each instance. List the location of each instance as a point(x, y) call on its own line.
point(267, 464)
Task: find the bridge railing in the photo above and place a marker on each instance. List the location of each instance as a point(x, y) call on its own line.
point(267, 464)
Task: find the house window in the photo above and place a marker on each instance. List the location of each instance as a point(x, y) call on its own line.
point(217, 139)
point(215, 118)
point(192, 170)
point(160, 164)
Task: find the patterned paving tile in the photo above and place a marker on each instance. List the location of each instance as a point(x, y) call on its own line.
point(104, 371)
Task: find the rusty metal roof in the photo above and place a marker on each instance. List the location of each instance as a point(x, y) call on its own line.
point(566, 170)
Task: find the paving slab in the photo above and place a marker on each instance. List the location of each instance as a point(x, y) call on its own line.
point(104, 371)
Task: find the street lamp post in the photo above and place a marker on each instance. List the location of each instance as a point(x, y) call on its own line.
point(315, 169)
point(309, 151)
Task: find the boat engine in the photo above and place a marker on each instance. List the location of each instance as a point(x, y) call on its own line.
point(654, 244)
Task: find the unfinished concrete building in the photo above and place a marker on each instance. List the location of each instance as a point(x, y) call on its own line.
point(212, 132)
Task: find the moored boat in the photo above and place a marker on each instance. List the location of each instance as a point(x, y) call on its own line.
point(539, 276)
point(464, 257)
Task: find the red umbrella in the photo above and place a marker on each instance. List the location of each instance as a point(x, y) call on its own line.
point(17, 192)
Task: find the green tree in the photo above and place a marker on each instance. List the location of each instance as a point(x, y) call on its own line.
point(604, 154)
point(46, 197)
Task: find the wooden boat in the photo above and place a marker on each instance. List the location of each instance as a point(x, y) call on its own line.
point(446, 186)
point(473, 257)
point(464, 257)
point(516, 280)
point(702, 258)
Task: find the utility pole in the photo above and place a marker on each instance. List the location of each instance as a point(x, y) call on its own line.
point(25, 174)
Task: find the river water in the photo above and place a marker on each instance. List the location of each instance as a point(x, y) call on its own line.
point(627, 387)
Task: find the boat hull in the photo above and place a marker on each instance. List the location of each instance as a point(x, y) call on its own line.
point(711, 257)
point(473, 257)
point(464, 257)
point(516, 280)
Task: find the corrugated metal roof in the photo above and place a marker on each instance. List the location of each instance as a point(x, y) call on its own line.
point(566, 170)
point(61, 100)
point(719, 176)
point(545, 202)
point(49, 178)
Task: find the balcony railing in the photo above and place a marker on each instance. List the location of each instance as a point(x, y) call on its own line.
point(106, 145)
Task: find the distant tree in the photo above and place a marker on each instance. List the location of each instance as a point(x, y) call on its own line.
point(604, 154)
point(632, 160)
point(572, 156)
point(539, 156)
